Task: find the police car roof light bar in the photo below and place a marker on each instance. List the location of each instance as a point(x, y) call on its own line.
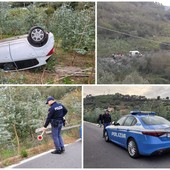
point(137, 112)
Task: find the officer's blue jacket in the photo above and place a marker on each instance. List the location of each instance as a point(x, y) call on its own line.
point(107, 118)
point(57, 111)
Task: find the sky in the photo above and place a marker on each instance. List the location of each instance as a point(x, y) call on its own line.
point(163, 2)
point(148, 91)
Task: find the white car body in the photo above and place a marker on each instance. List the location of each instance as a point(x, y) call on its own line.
point(18, 53)
point(134, 54)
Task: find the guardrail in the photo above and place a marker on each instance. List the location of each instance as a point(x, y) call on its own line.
point(48, 131)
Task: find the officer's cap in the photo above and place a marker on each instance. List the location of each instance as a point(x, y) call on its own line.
point(49, 98)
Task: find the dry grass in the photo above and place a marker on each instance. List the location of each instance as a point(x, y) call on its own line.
point(36, 150)
point(61, 60)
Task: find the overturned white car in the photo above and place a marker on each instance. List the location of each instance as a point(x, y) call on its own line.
point(26, 51)
point(135, 54)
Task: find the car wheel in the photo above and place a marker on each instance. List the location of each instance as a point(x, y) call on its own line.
point(106, 136)
point(37, 36)
point(133, 148)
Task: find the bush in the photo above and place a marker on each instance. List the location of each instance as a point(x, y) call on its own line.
point(134, 78)
point(24, 153)
point(74, 29)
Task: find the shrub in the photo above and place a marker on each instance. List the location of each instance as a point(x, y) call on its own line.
point(75, 29)
point(24, 153)
point(134, 78)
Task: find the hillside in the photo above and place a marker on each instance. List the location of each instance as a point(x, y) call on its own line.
point(133, 19)
point(120, 105)
point(130, 26)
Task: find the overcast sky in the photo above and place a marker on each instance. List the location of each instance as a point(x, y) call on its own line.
point(163, 2)
point(148, 91)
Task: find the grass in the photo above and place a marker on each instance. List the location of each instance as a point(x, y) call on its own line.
point(67, 80)
point(107, 46)
point(24, 153)
point(50, 76)
point(7, 153)
point(9, 157)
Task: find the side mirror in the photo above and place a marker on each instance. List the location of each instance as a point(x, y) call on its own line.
point(116, 124)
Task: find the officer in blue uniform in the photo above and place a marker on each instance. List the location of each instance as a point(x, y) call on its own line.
point(106, 120)
point(55, 116)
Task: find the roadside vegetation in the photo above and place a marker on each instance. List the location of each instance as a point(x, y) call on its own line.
point(124, 27)
point(21, 114)
point(73, 26)
point(120, 105)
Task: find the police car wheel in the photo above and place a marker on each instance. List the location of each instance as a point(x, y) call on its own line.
point(132, 148)
point(106, 136)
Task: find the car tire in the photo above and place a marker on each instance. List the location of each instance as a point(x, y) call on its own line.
point(106, 136)
point(37, 36)
point(132, 148)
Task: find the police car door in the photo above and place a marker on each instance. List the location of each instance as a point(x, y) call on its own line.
point(117, 132)
point(127, 127)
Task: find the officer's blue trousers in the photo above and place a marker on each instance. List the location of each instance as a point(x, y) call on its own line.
point(56, 135)
point(104, 127)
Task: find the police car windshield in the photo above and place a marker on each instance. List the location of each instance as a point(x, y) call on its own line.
point(154, 120)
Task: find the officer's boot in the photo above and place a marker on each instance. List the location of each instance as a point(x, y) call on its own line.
point(56, 152)
point(62, 149)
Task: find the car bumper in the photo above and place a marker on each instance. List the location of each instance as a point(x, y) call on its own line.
point(153, 145)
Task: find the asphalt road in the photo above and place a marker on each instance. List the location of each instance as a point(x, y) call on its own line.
point(71, 158)
point(100, 154)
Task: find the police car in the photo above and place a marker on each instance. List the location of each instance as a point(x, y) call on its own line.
point(141, 133)
point(26, 51)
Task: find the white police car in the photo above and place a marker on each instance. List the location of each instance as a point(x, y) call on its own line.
point(141, 133)
point(27, 51)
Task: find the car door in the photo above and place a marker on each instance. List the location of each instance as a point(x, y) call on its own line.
point(23, 55)
point(21, 50)
point(117, 130)
point(126, 129)
point(4, 53)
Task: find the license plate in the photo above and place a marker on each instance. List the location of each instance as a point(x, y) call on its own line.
point(168, 135)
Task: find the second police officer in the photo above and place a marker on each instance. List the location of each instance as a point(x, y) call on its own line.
point(106, 120)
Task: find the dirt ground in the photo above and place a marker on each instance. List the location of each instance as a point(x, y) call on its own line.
point(62, 68)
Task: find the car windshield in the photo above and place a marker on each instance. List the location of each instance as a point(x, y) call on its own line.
point(154, 120)
point(120, 121)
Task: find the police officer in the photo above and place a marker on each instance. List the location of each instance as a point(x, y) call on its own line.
point(55, 116)
point(106, 120)
point(100, 119)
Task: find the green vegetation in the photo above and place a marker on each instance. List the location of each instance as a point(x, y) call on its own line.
point(122, 104)
point(24, 154)
point(127, 26)
point(73, 28)
point(23, 109)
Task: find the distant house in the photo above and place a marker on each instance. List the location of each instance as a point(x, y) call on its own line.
point(111, 109)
